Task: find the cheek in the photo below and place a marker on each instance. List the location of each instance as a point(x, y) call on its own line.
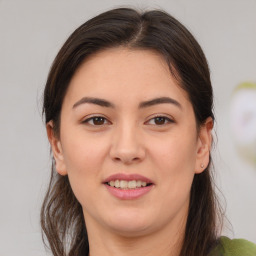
point(84, 153)
point(84, 157)
point(175, 154)
point(175, 160)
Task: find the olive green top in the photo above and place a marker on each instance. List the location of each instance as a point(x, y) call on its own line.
point(235, 247)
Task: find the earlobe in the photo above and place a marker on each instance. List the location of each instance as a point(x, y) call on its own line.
point(56, 149)
point(204, 146)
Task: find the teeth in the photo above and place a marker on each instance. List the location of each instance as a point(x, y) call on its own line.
point(124, 184)
point(132, 184)
point(117, 184)
point(143, 184)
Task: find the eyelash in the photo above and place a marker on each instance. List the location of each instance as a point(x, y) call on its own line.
point(94, 118)
point(166, 119)
point(106, 122)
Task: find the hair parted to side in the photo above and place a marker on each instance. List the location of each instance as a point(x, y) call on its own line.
point(62, 218)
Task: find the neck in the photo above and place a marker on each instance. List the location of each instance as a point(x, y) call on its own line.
point(165, 242)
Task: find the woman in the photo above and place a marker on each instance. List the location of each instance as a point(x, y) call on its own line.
point(128, 111)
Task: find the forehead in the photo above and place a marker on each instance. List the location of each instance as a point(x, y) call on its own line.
point(121, 73)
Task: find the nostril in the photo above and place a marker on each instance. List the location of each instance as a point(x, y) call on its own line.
point(126, 160)
point(127, 154)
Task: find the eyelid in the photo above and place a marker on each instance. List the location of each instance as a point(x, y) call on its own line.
point(88, 118)
point(167, 117)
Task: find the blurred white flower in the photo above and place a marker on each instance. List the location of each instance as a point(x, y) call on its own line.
point(243, 120)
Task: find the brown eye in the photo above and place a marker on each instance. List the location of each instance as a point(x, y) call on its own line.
point(160, 120)
point(96, 120)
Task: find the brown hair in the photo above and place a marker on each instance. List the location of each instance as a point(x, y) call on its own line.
point(61, 214)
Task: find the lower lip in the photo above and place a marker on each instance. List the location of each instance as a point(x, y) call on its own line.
point(128, 194)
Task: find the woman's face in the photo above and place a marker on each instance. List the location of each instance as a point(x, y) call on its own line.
point(125, 122)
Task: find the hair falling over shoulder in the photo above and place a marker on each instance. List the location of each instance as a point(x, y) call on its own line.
point(62, 219)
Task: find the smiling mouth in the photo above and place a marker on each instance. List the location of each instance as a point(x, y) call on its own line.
point(124, 184)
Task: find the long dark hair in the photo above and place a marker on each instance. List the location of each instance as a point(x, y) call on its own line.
point(62, 218)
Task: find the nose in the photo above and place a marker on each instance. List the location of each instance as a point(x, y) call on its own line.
point(127, 145)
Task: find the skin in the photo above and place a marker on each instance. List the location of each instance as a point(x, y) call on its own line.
point(129, 139)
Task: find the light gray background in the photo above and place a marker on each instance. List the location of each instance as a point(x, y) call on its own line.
point(31, 33)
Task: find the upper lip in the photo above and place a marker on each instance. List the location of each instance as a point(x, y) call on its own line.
point(127, 177)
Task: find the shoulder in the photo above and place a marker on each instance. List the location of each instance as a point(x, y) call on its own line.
point(234, 247)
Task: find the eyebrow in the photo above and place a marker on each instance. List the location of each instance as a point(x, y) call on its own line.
point(161, 100)
point(96, 101)
point(144, 104)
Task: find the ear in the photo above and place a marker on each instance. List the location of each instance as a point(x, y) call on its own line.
point(56, 149)
point(204, 146)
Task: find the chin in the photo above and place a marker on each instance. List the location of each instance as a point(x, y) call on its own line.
point(130, 224)
point(131, 230)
